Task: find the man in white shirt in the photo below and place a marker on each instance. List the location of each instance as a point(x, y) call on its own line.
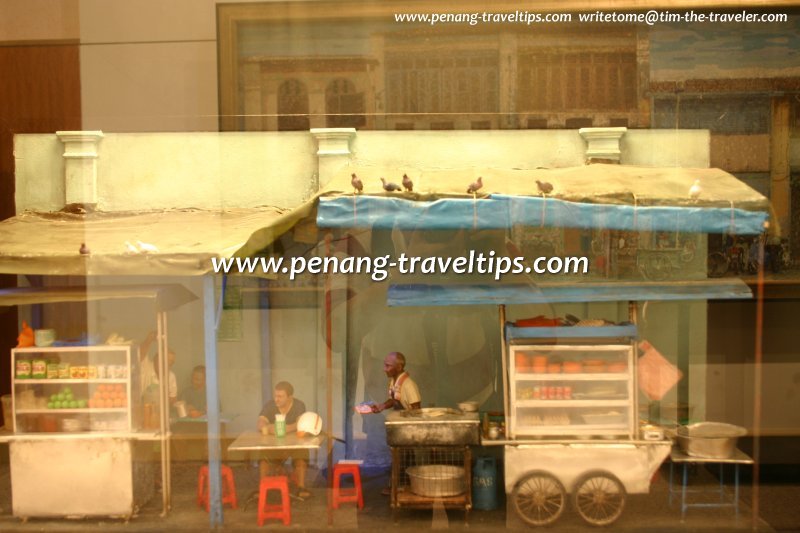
point(149, 370)
point(403, 391)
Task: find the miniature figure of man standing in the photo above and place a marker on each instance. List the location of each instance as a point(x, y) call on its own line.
point(403, 391)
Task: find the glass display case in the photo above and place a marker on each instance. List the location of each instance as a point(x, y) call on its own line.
point(572, 386)
point(73, 389)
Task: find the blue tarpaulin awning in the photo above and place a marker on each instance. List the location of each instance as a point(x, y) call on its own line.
point(616, 197)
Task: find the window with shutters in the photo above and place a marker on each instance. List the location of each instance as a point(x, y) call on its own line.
point(573, 80)
point(292, 106)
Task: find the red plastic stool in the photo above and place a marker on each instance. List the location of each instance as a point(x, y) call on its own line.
point(228, 487)
point(341, 495)
point(280, 511)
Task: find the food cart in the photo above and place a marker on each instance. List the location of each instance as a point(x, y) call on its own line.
point(588, 444)
point(74, 443)
point(578, 433)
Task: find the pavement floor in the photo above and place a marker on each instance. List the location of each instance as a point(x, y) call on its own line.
point(779, 510)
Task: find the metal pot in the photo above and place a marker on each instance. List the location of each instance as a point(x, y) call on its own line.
point(437, 480)
point(715, 440)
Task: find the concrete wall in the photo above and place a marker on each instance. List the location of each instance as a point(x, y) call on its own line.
point(165, 170)
point(524, 148)
point(144, 171)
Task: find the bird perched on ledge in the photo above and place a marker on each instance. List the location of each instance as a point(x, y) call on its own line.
point(475, 186)
point(407, 183)
point(389, 186)
point(695, 190)
point(544, 187)
point(355, 181)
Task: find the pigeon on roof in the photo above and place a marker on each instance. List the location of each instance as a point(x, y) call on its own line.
point(475, 186)
point(389, 186)
point(544, 187)
point(355, 181)
point(695, 190)
point(407, 183)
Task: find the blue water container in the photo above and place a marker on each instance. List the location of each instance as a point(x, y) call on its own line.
point(484, 484)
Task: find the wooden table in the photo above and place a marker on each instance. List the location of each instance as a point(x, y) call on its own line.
point(678, 457)
point(255, 441)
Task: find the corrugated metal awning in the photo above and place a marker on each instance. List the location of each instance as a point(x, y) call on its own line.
point(165, 297)
point(176, 242)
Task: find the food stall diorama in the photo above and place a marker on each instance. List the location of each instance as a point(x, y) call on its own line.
point(78, 423)
point(571, 386)
point(84, 443)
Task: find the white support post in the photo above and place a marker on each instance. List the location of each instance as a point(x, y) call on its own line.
point(80, 165)
point(333, 151)
point(603, 143)
point(215, 518)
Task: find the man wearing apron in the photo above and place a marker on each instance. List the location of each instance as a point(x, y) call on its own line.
point(403, 392)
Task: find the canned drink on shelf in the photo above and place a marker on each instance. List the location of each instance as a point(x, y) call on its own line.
point(559, 392)
point(567, 393)
point(74, 372)
point(64, 370)
point(39, 369)
point(52, 370)
point(23, 369)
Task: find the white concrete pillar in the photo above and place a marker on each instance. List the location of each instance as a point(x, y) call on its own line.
point(333, 152)
point(80, 165)
point(603, 143)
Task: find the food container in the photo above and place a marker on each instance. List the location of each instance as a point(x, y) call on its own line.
point(715, 440)
point(52, 370)
point(594, 366)
point(539, 360)
point(611, 417)
point(554, 368)
point(44, 337)
point(652, 432)
point(64, 370)
point(437, 480)
point(572, 367)
point(617, 367)
point(72, 424)
point(180, 409)
point(468, 407)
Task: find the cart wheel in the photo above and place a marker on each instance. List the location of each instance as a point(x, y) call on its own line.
point(599, 498)
point(539, 498)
